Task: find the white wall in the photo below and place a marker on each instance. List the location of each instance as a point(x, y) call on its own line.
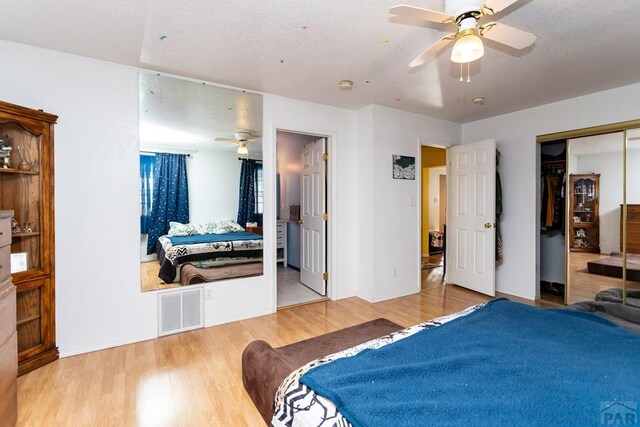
point(515, 134)
point(214, 178)
point(98, 298)
point(362, 218)
point(388, 216)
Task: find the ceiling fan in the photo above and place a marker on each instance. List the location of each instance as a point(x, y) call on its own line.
point(241, 139)
point(466, 14)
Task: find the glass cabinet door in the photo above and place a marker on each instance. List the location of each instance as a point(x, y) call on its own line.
point(20, 188)
point(584, 211)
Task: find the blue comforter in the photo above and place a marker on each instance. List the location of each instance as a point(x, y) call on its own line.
point(214, 238)
point(504, 364)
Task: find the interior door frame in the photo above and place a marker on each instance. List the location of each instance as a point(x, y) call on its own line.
point(331, 197)
point(424, 143)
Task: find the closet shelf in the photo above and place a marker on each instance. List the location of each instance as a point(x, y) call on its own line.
point(554, 162)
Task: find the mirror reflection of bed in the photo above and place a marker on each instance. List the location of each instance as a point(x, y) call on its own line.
point(291, 289)
point(201, 199)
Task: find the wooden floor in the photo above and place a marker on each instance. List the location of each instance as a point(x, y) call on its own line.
point(149, 280)
point(194, 378)
point(432, 277)
point(583, 286)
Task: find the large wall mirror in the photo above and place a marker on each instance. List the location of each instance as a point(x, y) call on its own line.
point(201, 188)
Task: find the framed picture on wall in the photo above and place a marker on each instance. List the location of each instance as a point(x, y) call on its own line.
point(404, 167)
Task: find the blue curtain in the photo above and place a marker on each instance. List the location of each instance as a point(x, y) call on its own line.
point(146, 191)
point(247, 203)
point(170, 195)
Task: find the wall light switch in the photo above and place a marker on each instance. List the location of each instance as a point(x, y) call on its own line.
point(412, 201)
point(208, 293)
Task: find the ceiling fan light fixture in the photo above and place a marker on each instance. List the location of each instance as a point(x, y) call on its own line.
point(467, 48)
point(242, 148)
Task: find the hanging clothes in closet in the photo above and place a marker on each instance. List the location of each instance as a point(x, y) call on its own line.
point(553, 196)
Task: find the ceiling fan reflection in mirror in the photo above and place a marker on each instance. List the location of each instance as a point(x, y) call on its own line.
point(466, 14)
point(242, 139)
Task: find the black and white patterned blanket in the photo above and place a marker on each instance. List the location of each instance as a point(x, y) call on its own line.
point(296, 405)
point(171, 256)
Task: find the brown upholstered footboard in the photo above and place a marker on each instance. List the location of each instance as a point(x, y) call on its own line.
point(264, 367)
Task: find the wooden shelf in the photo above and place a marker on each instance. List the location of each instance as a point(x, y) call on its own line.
point(554, 162)
point(583, 191)
point(30, 195)
point(16, 171)
point(27, 319)
point(16, 235)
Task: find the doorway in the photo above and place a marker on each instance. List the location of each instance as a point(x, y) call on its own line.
point(433, 212)
point(302, 239)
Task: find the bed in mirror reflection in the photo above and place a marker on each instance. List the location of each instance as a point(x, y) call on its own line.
point(201, 186)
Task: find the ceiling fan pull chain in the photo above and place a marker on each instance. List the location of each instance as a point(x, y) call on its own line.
point(461, 79)
point(468, 73)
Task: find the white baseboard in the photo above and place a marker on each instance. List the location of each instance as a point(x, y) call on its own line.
point(64, 352)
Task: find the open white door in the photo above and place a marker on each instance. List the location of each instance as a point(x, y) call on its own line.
point(313, 227)
point(471, 212)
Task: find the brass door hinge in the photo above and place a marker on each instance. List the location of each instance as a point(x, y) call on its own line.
point(325, 276)
point(325, 156)
point(325, 216)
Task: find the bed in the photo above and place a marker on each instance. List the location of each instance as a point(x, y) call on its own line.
point(206, 251)
point(498, 363)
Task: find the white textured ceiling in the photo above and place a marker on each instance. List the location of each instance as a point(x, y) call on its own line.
point(302, 48)
point(177, 113)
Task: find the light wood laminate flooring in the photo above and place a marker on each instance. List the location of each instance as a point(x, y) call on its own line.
point(194, 378)
point(583, 286)
point(149, 280)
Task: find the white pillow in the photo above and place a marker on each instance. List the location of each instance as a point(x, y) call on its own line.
point(177, 229)
point(222, 227)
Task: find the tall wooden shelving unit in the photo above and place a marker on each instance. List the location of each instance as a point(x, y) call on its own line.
point(26, 187)
point(584, 222)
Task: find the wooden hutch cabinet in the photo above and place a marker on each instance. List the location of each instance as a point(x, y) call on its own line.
point(26, 187)
point(584, 219)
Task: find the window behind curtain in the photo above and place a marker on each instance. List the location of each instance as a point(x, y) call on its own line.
point(146, 191)
point(259, 192)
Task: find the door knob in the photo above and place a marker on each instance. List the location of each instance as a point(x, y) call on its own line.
point(488, 225)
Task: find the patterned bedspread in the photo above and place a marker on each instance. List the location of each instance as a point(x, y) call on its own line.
point(298, 406)
point(170, 256)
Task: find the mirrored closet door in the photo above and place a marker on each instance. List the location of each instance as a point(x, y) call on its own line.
point(590, 178)
point(630, 218)
point(595, 183)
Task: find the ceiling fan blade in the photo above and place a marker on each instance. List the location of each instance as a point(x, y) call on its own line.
point(226, 140)
point(432, 51)
point(496, 6)
point(420, 13)
point(507, 35)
